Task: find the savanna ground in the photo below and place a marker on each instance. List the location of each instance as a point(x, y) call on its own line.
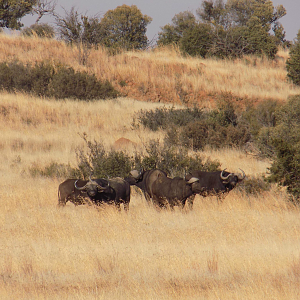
point(246, 248)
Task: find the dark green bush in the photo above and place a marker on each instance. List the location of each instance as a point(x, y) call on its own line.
point(284, 138)
point(254, 185)
point(41, 30)
point(66, 83)
point(52, 170)
point(293, 63)
point(44, 79)
point(196, 40)
point(101, 163)
point(174, 160)
point(163, 118)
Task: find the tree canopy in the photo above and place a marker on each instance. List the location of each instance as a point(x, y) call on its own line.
point(11, 12)
point(125, 27)
point(237, 27)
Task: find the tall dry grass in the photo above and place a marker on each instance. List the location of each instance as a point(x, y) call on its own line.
point(246, 248)
point(164, 75)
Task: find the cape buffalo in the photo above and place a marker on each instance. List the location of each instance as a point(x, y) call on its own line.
point(98, 191)
point(172, 192)
point(144, 180)
point(218, 183)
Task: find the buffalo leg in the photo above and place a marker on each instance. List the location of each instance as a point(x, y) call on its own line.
point(190, 202)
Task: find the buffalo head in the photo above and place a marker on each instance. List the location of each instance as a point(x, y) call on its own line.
point(232, 178)
point(92, 187)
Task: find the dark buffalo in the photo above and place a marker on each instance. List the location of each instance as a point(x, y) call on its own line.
point(218, 183)
point(173, 192)
point(98, 191)
point(144, 180)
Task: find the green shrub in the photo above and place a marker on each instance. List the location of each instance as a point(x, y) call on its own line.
point(41, 30)
point(163, 118)
point(67, 83)
point(174, 160)
point(293, 62)
point(102, 163)
point(254, 185)
point(285, 137)
point(196, 40)
point(52, 170)
point(44, 79)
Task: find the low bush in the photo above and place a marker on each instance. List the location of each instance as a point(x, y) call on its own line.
point(254, 185)
point(95, 160)
point(41, 30)
point(53, 170)
point(44, 79)
point(163, 118)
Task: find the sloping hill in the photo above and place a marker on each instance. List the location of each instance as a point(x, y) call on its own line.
point(163, 75)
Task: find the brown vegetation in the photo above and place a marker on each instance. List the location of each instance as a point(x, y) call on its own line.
point(245, 248)
point(164, 75)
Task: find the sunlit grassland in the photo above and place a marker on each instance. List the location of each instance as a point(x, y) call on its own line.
point(245, 248)
point(163, 74)
point(248, 247)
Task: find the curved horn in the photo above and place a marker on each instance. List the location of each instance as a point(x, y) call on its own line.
point(102, 188)
point(224, 177)
point(135, 174)
point(243, 175)
point(79, 188)
point(192, 180)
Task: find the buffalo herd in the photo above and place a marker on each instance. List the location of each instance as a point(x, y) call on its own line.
point(158, 189)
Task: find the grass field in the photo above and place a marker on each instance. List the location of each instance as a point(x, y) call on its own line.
point(245, 248)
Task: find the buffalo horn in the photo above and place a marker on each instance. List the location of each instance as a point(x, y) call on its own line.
point(135, 174)
point(79, 188)
point(241, 177)
point(102, 188)
point(192, 180)
point(224, 177)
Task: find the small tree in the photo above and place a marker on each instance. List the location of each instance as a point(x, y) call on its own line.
point(43, 7)
point(293, 63)
point(125, 28)
point(172, 33)
point(196, 40)
point(11, 12)
point(41, 30)
point(80, 30)
point(285, 137)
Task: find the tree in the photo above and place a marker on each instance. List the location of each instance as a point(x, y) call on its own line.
point(196, 40)
point(254, 20)
point(285, 137)
point(213, 12)
point(83, 31)
point(11, 11)
point(43, 7)
point(293, 63)
point(125, 28)
point(41, 30)
point(172, 33)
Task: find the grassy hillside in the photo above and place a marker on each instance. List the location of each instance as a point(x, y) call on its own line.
point(164, 75)
point(245, 248)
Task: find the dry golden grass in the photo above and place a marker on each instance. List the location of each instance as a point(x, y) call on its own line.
point(163, 75)
point(246, 248)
